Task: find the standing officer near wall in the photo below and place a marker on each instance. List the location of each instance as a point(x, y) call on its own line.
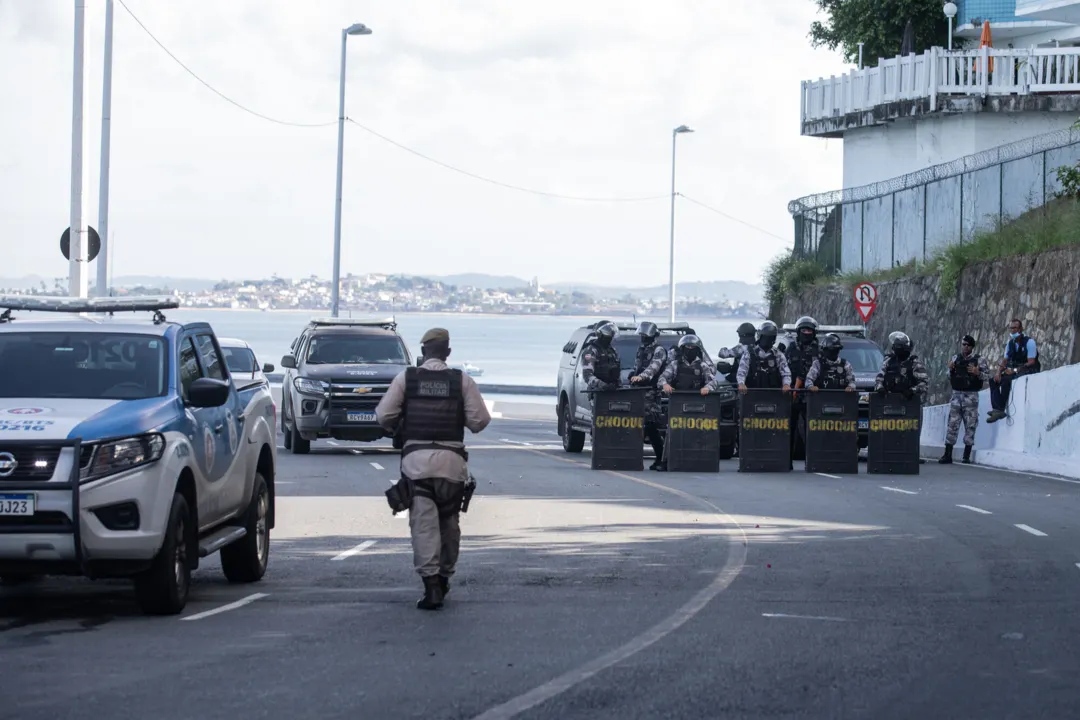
point(434, 405)
point(968, 372)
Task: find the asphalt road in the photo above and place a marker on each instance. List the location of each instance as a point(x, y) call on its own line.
point(584, 594)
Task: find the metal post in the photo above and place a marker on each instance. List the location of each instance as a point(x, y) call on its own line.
point(950, 33)
point(335, 290)
point(671, 262)
point(79, 168)
point(860, 56)
point(102, 284)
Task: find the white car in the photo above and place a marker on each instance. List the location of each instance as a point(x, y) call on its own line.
point(242, 363)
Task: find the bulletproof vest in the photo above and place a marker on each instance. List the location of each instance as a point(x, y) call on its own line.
point(644, 359)
point(961, 379)
point(606, 368)
point(1017, 353)
point(434, 407)
point(688, 377)
point(737, 351)
point(833, 375)
point(899, 375)
point(764, 372)
point(801, 358)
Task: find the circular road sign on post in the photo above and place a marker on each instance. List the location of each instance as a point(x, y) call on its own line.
point(91, 252)
point(865, 300)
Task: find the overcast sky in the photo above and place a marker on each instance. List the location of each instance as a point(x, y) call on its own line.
point(575, 98)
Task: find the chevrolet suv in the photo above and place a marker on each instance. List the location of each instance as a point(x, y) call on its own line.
point(337, 373)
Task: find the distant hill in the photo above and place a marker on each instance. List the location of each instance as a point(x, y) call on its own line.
point(30, 282)
point(709, 291)
point(479, 280)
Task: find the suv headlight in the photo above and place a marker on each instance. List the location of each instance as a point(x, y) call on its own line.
point(118, 456)
point(307, 386)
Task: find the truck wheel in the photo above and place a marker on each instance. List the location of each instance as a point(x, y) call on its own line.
point(245, 560)
point(299, 445)
point(573, 441)
point(163, 589)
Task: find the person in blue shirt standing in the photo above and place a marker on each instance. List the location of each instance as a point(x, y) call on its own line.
point(1021, 358)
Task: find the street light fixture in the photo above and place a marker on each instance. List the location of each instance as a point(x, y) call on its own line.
point(671, 265)
point(950, 12)
point(335, 290)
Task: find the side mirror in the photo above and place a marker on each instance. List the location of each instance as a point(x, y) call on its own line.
point(268, 368)
point(288, 362)
point(208, 393)
point(419, 361)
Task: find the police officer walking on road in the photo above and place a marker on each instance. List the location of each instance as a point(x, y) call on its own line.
point(830, 371)
point(433, 405)
point(968, 373)
point(600, 365)
point(648, 366)
point(764, 366)
point(901, 371)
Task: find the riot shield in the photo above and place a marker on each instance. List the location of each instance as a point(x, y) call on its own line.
point(765, 431)
point(618, 429)
point(895, 430)
point(832, 432)
point(693, 434)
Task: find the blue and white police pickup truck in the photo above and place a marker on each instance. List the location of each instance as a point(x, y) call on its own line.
point(126, 450)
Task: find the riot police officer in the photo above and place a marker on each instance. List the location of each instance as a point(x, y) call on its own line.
point(648, 366)
point(901, 370)
point(968, 373)
point(829, 371)
point(689, 371)
point(764, 366)
point(801, 356)
point(747, 335)
point(600, 363)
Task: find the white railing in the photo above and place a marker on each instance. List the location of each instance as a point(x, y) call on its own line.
point(986, 71)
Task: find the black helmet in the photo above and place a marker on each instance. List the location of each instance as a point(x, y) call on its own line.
point(606, 332)
point(746, 332)
point(766, 334)
point(648, 331)
point(806, 329)
point(831, 346)
point(900, 344)
point(690, 347)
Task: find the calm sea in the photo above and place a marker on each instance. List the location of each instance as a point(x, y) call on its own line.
point(511, 350)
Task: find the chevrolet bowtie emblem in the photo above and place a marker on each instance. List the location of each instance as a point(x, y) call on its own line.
point(362, 390)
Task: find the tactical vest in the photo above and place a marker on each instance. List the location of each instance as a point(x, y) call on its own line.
point(899, 375)
point(961, 379)
point(800, 359)
point(688, 377)
point(737, 351)
point(1017, 356)
point(434, 408)
point(606, 368)
point(832, 375)
point(644, 359)
point(764, 372)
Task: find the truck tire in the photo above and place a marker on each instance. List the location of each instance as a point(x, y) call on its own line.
point(573, 441)
point(298, 444)
point(164, 588)
point(245, 560)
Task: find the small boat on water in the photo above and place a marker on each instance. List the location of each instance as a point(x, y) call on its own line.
point(470, 370)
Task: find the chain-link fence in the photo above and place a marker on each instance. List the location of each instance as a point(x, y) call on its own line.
point(914, 216)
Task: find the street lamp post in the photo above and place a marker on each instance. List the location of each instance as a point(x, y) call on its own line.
point(671, 264)
point(950, 12)
point(80, 237)
point(335, 291)
point(102, 284)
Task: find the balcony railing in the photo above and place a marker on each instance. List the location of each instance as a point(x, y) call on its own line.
point(938, 72)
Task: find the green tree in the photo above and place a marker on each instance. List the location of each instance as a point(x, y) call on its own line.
point(879, 25)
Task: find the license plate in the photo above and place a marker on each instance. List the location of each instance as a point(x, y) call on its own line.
point(21, 504)
point(360, 417)
point(864, 424)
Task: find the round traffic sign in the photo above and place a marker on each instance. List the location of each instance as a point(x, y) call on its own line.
point(91, 251)
point(865, 294)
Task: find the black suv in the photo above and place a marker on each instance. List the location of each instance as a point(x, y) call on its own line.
point(574, 406)
point(865, 357)
point(337, 372)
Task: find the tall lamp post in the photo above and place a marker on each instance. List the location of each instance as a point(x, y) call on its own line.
point(671, 264)
point(102, 284)
point(335, 291)
point(950, 12)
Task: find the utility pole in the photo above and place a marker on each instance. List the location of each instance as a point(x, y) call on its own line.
point(103, 257)
point(80, 176)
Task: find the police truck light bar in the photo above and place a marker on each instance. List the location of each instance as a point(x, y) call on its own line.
point(386, 322)
point(41, 303)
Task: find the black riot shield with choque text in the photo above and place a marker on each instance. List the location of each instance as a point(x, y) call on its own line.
point(832, 432)
point(693, 435)
point(618, 429)
point(765, 431)
point(895, 431)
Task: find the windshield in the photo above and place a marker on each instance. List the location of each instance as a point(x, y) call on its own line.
point(93, 366)
point(239, 360)
point(865, 359)
point(627, 347)
point(343, 349)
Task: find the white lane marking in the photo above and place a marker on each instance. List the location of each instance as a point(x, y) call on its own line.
point(225, 608)
point(834, 477)
point(1078, 565)
point(975, 509)
point(892, 489)
point(1029, 529)
point(515, 442)
point(333, 442)
point(354, 550)
point(356, 452)
point(1021, 472)
point(377, 466)
point(803, 617)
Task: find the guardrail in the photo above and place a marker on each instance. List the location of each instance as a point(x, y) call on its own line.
point(493, 389)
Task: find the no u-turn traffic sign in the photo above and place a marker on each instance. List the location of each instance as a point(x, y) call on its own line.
point(865, 300)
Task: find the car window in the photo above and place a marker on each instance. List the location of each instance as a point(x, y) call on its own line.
point(189, 366)
point(342, 349)
point(209, 357)
point(84, 365)
point(864, 359)
point(239, 360)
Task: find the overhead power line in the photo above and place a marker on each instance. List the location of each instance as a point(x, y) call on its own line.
point(732, 217)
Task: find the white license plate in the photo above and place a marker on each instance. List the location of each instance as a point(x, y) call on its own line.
point(21, 504)
point(360, 417)
point(864, 424)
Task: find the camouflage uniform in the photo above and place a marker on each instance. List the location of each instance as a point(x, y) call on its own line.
point(593, 354)
point(651, 361)
point(770, 361)
point(964, 405)
point(702, 367)
point(836, 375)
point(705, 359)
point(899, 375)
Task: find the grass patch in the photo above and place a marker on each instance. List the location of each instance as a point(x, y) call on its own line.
point(786, 275)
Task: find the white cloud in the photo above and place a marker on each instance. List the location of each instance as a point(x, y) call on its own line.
point(571, 98)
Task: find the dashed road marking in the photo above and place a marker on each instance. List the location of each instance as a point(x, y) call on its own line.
point(1029, 529)
point(333, 442)
point(377, 466)
point(354, 550)
point(975, 509)
point(834, 477)
point(225, 608)
point(356, 452)
point(803, 617)
point(892, 489)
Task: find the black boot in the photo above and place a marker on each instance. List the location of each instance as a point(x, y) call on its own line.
point(967, 454)
point(444, 585)
point(946, 459)
point(433, 595)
